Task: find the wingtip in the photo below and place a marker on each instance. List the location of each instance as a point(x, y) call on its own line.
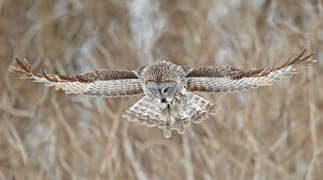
point(44, 73)
point(24, 68)
point(18, 60)
point(23, 65)
point(17, 69)
point(14, 69)
point(302, 58)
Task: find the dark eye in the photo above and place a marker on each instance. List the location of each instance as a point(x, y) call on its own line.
point(165, 90)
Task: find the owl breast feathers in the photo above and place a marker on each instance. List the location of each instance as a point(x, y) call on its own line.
point(168, 101)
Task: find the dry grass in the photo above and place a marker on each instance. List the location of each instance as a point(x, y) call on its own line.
point(270, 133)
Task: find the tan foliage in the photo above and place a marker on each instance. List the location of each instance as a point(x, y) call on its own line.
point(269, 133)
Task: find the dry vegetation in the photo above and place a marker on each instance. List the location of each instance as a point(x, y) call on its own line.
point(269, 133)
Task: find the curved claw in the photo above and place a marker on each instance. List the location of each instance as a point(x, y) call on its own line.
point(167, 133)
point(180, 127)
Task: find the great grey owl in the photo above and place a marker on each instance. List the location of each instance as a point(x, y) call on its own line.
point(168, 101)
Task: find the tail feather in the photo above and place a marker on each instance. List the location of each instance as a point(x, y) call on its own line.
point(191, 109)
point(145, 112)
point(195, 108)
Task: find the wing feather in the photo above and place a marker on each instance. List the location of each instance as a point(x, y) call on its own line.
point(230, 79)
point(105, 83)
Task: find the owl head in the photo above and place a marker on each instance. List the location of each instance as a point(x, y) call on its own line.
point(162, 81)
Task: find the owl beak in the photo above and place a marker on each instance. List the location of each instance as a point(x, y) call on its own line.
point(163, 97)
point(163, 100)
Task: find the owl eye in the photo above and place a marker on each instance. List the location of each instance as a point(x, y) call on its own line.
point(165, 90)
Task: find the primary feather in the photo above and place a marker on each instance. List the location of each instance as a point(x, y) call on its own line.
point(229, 79)
point(169, 102)
point(105, 83)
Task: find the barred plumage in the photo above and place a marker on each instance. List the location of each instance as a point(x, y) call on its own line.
point(187, 109)
point(106, 83)
point(229, 79)
point(169, 102)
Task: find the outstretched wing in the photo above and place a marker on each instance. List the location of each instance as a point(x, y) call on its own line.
point(105, 83)
point(229, 79)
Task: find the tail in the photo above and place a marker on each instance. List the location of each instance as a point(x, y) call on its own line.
point(195, 108)
point(191, 108)
point(145, 112)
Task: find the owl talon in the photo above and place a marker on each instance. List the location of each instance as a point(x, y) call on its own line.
point(180, 127)
point(167, 133)
point(169, 100)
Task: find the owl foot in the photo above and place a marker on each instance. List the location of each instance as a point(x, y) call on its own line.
point(180, 127)
point(167, 133)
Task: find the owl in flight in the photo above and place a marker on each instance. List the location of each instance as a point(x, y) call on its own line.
point(168, 90)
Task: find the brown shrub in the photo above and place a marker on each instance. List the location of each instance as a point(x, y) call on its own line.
point(269, 133)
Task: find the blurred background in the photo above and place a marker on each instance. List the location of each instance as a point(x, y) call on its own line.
point(269, 133)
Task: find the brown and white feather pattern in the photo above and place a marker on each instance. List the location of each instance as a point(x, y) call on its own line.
point(191, 109)
point(229, 79)
point(185, 107)
point(162, 71)
point(105, 83)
